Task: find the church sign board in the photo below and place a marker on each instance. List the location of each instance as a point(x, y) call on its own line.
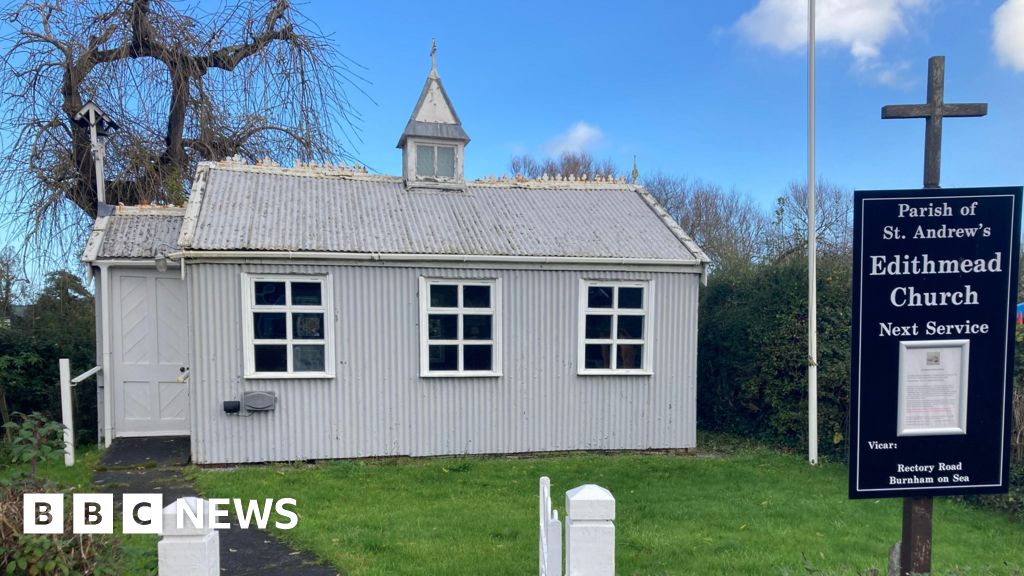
point(934, 294)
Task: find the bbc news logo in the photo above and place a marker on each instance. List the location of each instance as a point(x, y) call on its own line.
point(145, 514)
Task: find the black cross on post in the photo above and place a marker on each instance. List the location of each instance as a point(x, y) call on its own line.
point(934, 111)
point(916, 545)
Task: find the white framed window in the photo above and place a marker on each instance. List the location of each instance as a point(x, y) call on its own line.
point(435, 161)
point(288, 326)
point(460, 327)
point(613, 327)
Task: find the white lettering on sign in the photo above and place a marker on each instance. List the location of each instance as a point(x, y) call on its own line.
point(967, 327)
point(945, 232)
point(909, 296)
point(875, 445)
point(906, 265)
point(929, 211)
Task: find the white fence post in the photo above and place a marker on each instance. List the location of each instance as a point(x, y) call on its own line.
point(589, 531)
point(67, 412)
point(550, 533)
point(188, 550)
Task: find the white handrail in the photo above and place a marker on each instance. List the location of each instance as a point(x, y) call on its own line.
point(84, 375)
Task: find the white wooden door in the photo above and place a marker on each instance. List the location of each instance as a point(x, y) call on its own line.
point(150, 346)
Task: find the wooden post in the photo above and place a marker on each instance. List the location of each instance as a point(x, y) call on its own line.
point(916, 547)
point(67, 412)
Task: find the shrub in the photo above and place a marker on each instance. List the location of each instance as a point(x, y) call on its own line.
point(752, 357)
point(35, 440)
point(86, 554)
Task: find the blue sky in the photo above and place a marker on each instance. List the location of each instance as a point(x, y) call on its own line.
point(712, 90)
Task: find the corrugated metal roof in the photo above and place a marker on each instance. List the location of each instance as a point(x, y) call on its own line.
point(140, 235)
point(241, 207)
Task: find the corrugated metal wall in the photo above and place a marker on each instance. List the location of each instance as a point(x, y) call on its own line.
point(379, 405)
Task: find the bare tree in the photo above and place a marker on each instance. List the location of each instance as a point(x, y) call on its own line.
point(255, 79)
point(730, 227)
point(576, 164)
point(833, 212)
point(13, 284)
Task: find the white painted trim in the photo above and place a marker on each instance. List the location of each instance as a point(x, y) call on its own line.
point(148, 433)
point(252, 256)
point(615, 312)
point(327, 308)
point(496, 340)
point(150, 210)
point(672, 225)
point(108, 355)
point(139, 263)
point(195, 204)
point(435, 144)
point(92, 245)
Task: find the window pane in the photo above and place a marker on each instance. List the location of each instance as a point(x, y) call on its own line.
point(444, 296)
point(271, 358)
point(308, 358)
point(424, 160)
point(306, 293)
point(476, 327)
point(476, 296)
point(599, 296)
point(631, 327)
point(477, 357)
point(599, 326)
point(631, 297)
point(443, 327)
point(446, 161)
point(268, 325)
point(597, 356)
point(443, 357)
point(308, 326)
point(629, 356)
point(269, 293)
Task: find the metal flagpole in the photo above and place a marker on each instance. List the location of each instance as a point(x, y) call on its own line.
point(812, 248)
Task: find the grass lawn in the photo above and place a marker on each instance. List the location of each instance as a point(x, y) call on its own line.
point(730, 510)
point(138, 551)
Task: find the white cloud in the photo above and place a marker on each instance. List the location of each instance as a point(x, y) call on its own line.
point(861, 26)
point(1008, 34)
point(579, 137)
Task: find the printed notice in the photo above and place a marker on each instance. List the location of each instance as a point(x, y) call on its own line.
point(933, 387)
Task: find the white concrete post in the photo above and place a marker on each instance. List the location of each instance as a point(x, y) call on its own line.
point(188, 550)
point(589, 531)
point(67, 412)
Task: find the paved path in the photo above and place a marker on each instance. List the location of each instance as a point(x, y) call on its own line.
point(135, 465)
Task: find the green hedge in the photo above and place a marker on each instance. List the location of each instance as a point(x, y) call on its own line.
point(752, 367)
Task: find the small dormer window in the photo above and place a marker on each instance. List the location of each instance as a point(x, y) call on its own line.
point(436, 162)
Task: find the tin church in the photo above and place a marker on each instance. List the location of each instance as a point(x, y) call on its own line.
point(322, 312)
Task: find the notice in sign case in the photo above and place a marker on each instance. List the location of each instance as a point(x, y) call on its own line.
point(933, 387)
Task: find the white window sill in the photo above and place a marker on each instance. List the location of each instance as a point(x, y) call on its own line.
point(289, 376)
point(609, 372)
point(460, 374)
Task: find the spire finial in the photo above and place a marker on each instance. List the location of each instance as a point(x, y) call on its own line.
point(433, 57)
point(636, 173)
